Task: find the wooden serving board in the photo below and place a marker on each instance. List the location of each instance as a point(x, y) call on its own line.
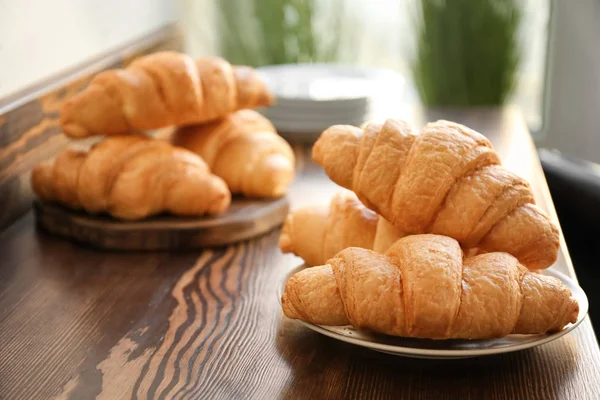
point(245, 219)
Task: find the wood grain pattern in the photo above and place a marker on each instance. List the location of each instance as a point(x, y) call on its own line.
point(76, 323)
point(245, 218)
point(29, 127)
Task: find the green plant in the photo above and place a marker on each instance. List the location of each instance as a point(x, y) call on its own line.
point(263, 32)
point(467, 51)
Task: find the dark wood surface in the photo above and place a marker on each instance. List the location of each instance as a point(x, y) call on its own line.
point(29, 126)
point(245, 219)
point(77, 323)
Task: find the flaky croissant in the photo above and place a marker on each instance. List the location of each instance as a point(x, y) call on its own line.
point(131, 177)
point(245, 150)
point(162, 89)
point(423, 288)
point(317, 233)
point(446, 180)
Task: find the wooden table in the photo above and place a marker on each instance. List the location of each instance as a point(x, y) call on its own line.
point(82, 324)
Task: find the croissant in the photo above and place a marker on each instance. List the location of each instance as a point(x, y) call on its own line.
point(317, 233)
point(162, 89)
point(131, 177)
point(245, 150)
point(446, 180)
point(423, 288)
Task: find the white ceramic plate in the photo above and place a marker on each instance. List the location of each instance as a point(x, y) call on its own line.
point(293, 129)
point(330, 105)
point(447, 349)
point(312, 97)
point(316, 119)
point(316, 112)
point(326, 82)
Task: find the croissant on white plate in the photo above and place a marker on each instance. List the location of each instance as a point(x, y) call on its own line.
point(424, 287)
point(446, 179)
point(317, 233)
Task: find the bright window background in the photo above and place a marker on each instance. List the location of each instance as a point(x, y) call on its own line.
point(380, 33)
point(375, 33)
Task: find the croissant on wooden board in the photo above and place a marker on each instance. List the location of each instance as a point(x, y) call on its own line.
point(245, 150)
point(446, 180)
point(423, 288)
point(317, 233)
point(131, 177)
point(159, 90)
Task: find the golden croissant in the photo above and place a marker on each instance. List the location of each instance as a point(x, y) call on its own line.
point(162, 89)
point(245, 150)
point(132, 177)
point(317, 233)
point(423, 288)
point(445, 180)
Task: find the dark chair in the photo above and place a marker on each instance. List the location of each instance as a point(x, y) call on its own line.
point(575, 188)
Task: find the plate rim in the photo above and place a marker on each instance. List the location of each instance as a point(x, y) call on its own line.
point(463, 353)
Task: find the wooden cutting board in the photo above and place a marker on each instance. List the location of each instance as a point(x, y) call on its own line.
point(245, 219)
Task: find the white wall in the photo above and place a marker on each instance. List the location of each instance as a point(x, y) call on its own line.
point(39, 38)
point(573, 110)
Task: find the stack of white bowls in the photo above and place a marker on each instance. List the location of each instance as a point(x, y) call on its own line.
point(312, 97)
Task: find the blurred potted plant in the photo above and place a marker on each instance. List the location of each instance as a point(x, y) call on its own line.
point(467, 51)
point(265, 32)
